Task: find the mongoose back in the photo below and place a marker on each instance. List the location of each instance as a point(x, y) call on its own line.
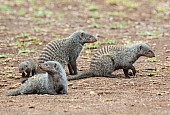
point(67, 50)
point(28, 68)
point(53, 82)
point(111, 58)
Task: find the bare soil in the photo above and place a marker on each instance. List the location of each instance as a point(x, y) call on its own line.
point(147, 93)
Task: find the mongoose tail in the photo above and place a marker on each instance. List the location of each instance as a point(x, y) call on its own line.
point(81, 76)
point(91, 40)
point(13, 93)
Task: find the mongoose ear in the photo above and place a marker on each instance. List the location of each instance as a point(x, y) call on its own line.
point(55, 66)
point(140, 47)
point(27, 62)
point(82, 35)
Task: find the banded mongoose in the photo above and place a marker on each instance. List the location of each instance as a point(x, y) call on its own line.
point(28, 68)
point(53, 82)
point(111, 58)
point(67, 50)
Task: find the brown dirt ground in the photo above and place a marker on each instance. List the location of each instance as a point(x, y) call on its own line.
point(143, 94)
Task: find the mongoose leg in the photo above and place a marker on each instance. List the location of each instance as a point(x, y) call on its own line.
point(74, 66)
point(24, 80)
point(65, 90)
point(70, 69)
point(23, 74)
point(28, 90)
point(28, 74)
point(126, 73)
point(133, 70)
point(62, 89)
point(33, 72)
point(52, 92)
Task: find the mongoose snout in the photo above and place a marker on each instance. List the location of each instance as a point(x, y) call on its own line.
point(91, 39)
point(22, 67)
point(21, 70)
point(44, 67)
point(150, 54)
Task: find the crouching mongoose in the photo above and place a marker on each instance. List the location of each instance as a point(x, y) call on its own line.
point(28, 68)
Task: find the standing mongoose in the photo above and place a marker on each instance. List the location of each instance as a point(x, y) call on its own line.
point(67, 50)
point(111, 58)
point(28, 68)
point(53, 82)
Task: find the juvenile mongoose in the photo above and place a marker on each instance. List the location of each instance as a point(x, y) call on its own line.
point(28, 68)
point(111, 58)
point(53, 82)
point(67, 50)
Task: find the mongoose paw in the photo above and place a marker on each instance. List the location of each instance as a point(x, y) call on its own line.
point(23, 74)
point(73, 73)
point(135, 75)
point(130, 74)
point(127, 77)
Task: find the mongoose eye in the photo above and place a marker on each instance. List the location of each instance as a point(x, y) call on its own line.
point(140, 47)
point(55, 65)
point(82, 35)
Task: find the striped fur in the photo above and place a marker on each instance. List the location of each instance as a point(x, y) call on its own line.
point(55, 50)
point(111, 58)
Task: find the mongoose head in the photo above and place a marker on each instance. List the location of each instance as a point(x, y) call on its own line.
point(50, 67)
point(83, 37)
point(145, 50)
point(23, 66)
